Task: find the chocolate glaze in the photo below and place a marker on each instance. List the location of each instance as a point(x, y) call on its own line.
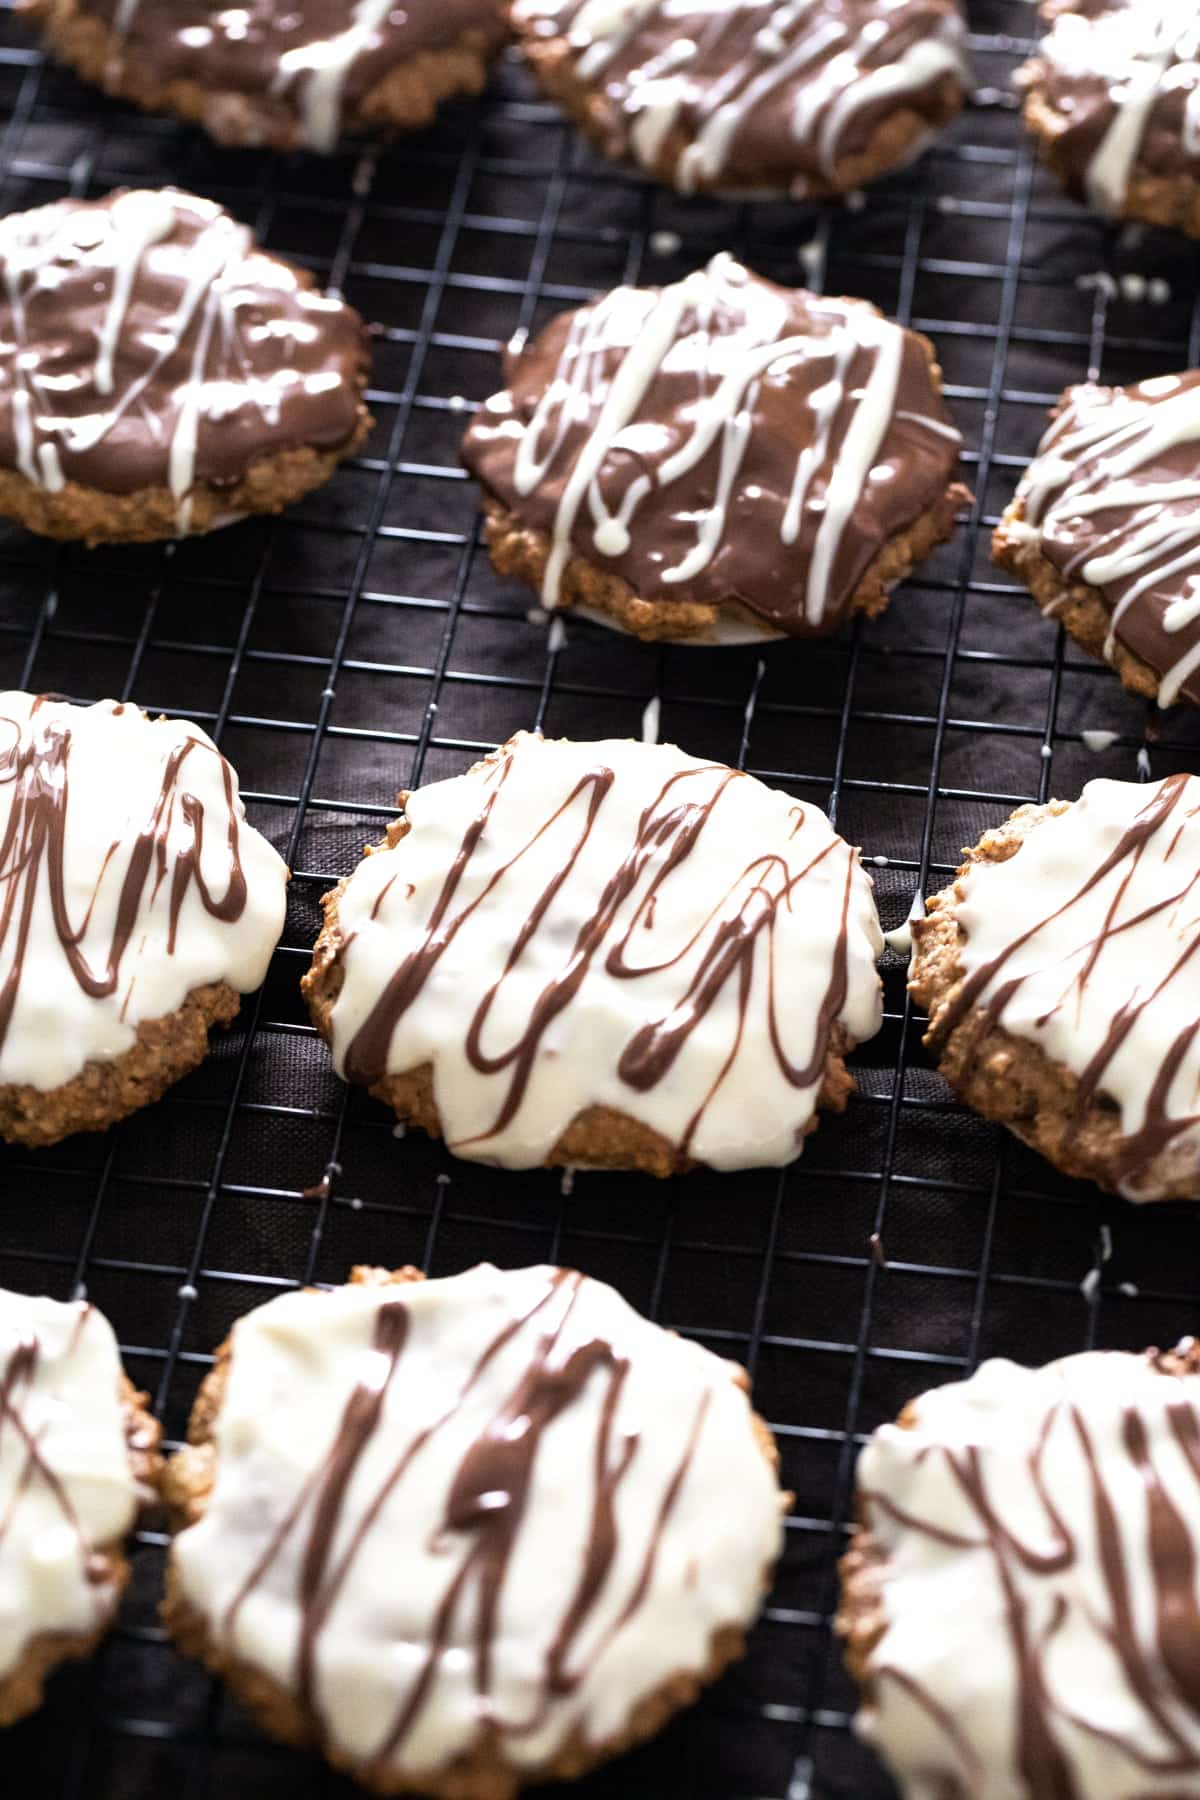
point(268, 49)
point(485, 1510)
point(1160, 1127)
point(144, 343)
point(1099, 434)
point(1084, 73)
point(799, 84)
point(1161, 1674)
point(740, 938)
point(35, 787)
point(794, 428)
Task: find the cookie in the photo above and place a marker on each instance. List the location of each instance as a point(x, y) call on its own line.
point(159, 375)
point(468, 1533)
point(1019, 1602)
point(1113, 99)
point(284, 73)
point(136, 905)
point(719, 448)
point(606, 954)
point(802, 97)
point(78, 1457)
point(1058, 974)
point(1105, 533)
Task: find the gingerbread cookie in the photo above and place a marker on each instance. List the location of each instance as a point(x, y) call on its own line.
point(159, 375)
point(1104, 530)
point(719, 449)
point(1019, 1603)
point(469, 1533)
point(1058, 974)
point(286, 73)
point(78, 1456)
point(608, 954)
point(1113, 99)
point(136, 905)
point(808, 97)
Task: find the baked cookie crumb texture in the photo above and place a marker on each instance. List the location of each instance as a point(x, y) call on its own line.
point(1105, 529)
point(1113, 99)
point(1019, 1603)
point(160, 375)
point(809, 97)
point(667, 453)
point(75, 1449)
point(1059, 977)
point(602, 953)
point(471, 1532)
point(286, 73)
point(136, 904)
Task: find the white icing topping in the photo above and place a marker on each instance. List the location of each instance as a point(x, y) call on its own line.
point(1142, 51)
point(66, 1487)
point(362, 1545)
point(802, 45)
point(695, 925)
point(1040, 1584)
point(1085, 941)
point(121, 842)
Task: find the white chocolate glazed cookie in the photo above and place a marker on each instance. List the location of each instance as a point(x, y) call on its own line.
point(467, 1525)
point(616, 926)
point(1071, 938)
point(129, 879)
point(1020, 1603)
point(67, 1490)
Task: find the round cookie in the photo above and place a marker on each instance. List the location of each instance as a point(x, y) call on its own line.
point(720, 449)
point(159, 375)
point(1059, 976)
point(78, 1457)
point(809, 97)
point(605, 954)
point(1019, 1602)
point(136, 904)
point(468, 1533)
point(1113, 100)
point(1105, 532)
point(285, 73)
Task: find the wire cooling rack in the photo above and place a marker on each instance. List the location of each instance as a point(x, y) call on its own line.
point(362, 644)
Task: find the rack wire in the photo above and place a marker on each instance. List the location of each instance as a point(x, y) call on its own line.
point(362, 644)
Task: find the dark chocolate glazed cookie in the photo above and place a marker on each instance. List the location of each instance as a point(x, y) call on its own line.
point(159, 373)
point(279, 72)
point(806, 96)
point(1113, 98)
point(723, 447)
point(1105, 533)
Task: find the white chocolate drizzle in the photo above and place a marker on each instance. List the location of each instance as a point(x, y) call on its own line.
point(609, 924)
point(67, 1490)
point(499, 1508)
point(1039, 1540)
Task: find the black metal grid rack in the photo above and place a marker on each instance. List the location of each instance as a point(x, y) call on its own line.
point(362, 644)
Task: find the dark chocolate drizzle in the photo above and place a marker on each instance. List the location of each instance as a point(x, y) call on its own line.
point(267, 50)
point(1111, 425)
point(793, 432)
point(485, 1511)
point(35, 800)
point(787, 71)
point(1162, 1674)
point(738, 941)
point(980, 1002)
point(222, 355)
